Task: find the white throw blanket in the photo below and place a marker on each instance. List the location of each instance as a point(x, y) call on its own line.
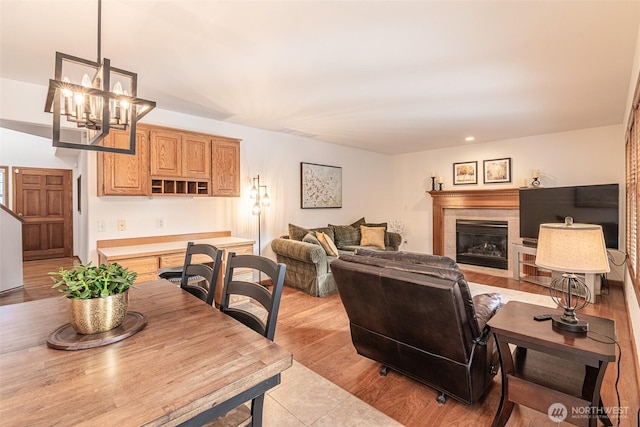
point(511, 295)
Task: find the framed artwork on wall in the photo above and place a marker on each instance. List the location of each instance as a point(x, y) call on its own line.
point(320, 186)
point(497, 170)
point(465, 173)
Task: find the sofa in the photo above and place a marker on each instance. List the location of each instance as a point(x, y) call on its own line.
point(413, 313)
point(308, 253)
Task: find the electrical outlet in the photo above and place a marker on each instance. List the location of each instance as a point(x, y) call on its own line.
point(101, 226)
point(122, 225)
point(160, 223)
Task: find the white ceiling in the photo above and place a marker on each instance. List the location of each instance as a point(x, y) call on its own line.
point(386, 76)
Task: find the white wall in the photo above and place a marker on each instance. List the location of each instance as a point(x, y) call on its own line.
point(19, 149)
point(366, 178)
point(588, 156)
point(10, 251)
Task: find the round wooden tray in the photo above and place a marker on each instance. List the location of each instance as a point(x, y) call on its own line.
point(66, 338)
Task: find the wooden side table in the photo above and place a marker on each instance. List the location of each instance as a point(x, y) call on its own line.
point(555, 372)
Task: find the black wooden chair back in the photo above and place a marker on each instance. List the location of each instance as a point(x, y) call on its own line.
point(191, 275)
point(264, 319)
point(268, 300)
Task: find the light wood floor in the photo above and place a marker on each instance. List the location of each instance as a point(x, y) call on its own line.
point(316, 331)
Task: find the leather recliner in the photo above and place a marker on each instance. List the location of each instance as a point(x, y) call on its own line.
point(414, 314)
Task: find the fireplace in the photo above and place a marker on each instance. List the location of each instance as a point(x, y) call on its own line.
point(483, 243)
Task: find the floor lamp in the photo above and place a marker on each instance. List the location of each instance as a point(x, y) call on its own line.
point(571, 248)
point(259, 193)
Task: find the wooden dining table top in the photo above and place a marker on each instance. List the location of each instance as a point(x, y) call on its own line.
point(188, 358)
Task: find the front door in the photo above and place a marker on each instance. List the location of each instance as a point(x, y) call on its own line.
point(44, 200)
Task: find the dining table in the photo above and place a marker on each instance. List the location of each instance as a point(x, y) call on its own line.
point(189, 359)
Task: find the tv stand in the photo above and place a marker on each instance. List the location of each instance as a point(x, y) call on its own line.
point(591, 280)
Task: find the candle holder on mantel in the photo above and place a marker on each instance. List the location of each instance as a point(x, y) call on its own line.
point(535, 175)
point(440, 185)
point(433, 183)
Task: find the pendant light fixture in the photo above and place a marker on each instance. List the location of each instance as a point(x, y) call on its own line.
point(96, 97)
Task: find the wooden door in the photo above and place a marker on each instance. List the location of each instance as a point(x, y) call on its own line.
point(225, 177)
point(196, 156)
point(124, 174)
point(166, 153)
point(44, 200)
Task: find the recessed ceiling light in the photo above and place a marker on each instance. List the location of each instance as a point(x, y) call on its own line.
point(470, 138)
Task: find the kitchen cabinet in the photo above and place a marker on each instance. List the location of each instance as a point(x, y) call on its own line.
point(180, 163)
point(196, 156)
point(124, 174)
point(170, 162)
point(146, 255)
point(178, 154)
point(166, 153)
point(225, 177)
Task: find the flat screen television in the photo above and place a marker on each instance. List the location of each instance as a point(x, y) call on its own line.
point(589, 204)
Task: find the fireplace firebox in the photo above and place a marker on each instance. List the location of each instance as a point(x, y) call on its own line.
point(483, 243)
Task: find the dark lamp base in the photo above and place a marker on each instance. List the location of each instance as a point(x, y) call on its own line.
point(580, 327)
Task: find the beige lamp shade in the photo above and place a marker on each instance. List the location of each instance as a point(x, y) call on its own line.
point(575, 248)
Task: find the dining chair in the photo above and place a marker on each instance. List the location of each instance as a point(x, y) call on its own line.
point(192, 274)
point(260, 312)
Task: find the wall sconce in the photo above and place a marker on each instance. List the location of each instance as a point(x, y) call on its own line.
point(96, 97)
point(259, 193)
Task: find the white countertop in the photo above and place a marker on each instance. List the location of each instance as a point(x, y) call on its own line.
point(152, 249)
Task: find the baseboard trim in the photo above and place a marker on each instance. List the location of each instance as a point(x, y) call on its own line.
point(10, 291)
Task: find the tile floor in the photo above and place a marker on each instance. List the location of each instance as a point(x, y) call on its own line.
point(304, 399)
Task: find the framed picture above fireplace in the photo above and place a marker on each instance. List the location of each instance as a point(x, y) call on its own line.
point(497, 170)
point(465, 173)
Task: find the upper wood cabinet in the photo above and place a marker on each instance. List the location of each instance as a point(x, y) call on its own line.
point(124, 174)
point(196, 156)
point(166, 153)
point(177, 154)
point(170, 162)
point(225, 177)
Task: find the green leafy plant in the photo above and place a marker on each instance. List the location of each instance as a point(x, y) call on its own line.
point(87, 281)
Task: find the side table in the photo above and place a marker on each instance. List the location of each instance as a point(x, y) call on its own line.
point(555, 372)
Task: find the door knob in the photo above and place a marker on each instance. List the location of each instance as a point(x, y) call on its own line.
point(20, 214)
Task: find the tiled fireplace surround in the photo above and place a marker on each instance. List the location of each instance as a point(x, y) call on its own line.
point(489, 205)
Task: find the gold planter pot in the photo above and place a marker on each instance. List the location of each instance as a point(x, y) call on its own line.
point(92, 316)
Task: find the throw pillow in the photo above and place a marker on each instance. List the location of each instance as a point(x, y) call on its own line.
point(382, 224)
point(327, 244)
point(297, 232)
point(372, 236)
point(311, 238)
point(358, 223)
point(345, 235)
point(326, 230)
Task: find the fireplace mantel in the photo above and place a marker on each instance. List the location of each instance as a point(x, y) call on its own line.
point(506, 198)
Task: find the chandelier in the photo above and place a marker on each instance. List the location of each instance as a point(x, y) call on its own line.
point(95, 97)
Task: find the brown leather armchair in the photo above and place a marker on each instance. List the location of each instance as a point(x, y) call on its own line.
point(413, 313)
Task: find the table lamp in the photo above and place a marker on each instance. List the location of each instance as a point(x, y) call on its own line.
point(571, 248)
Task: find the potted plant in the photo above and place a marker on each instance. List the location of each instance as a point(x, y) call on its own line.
point(98, 296)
